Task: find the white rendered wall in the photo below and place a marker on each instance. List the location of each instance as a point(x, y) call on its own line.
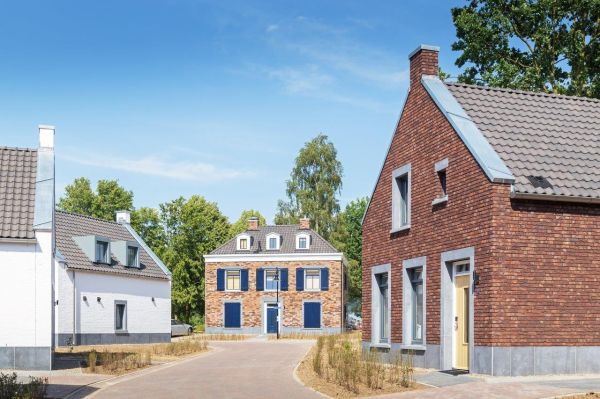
point(93, 317)
point(26, 293)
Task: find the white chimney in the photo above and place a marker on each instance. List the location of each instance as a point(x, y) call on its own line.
point(123, 217)
point(46, 136)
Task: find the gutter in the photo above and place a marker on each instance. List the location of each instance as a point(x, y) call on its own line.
point(556, 198)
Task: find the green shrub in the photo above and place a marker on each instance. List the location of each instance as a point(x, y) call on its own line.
point(10, 388)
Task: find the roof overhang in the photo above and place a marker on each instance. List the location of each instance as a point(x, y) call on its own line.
point(274, 257)
point(483, 152)
point(8, 240)
point(554, 198)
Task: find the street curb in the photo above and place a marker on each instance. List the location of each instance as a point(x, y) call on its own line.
point(299, 381)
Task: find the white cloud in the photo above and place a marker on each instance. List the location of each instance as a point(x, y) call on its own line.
point(272, 28)
point(300, 80)
point(159, 167)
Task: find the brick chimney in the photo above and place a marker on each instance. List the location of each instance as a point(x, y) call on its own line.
point(253, 223)
point(423, 61)
point(305, 223)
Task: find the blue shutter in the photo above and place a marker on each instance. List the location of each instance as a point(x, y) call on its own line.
point(220, 280)
point(312, 315)
point(299, 279)
point(260, 279)
point(324, 279)
point(283, 275)
point(233, 315)
point(244, 279)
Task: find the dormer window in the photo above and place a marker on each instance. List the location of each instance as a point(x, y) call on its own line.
point(303, 241)
point(102, 252)
point(273, 241)
point(133, 256)
point(243, 242)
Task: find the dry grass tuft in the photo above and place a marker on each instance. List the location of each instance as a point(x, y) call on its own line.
point(117, 362)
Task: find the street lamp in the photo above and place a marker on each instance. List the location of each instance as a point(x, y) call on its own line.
point(276, 278)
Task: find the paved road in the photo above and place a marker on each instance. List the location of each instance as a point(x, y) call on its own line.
point(246, 369)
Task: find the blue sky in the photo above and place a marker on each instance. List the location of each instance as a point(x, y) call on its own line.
point(212, 98)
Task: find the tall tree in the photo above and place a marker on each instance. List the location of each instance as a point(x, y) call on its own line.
point(347, 238)
point(538, 45)
point(108, 198)
point(313, 187)
point(147, 223)
point(242, 223)
point(193, 228)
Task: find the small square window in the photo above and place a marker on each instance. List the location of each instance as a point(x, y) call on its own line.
point(232, 280)
point(312, 280)
point(102, 253)
point(243, 243)
point(132, 256)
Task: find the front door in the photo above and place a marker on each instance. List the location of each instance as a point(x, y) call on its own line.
point(272, 319)
point(461, 322)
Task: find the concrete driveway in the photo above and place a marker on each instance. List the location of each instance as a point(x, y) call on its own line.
point(245, 369)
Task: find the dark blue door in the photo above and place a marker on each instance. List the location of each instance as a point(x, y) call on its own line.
point(271, 319)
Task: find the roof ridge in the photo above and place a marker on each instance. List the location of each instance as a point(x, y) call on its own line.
point(525, 92)
point(87, 217)
point(3, 147)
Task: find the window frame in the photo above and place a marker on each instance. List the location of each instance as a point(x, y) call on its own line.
point(136, 262)
point(248, 239)
point(306, 236)
point(440, 169)
point(268, 239)
point(124, 322)
point(416, 282)
point(107, 259)
point(376, 306)
point(398, 203)
point(239, 275)
point(265, 280)
point(409, 303)
point(312, 271)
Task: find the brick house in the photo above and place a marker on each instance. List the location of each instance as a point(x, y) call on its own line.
point(481, 242)
point(288, 271)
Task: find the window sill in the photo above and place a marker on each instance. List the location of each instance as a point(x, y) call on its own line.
point(399, 229)
point(439, 200)
point(380, 345)
point(414, 347)
point(233, 291)
point(121, 332)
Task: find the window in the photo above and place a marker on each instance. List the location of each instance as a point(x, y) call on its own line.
point(440, 170)
point(102, 252)
point(232, 315)
point(312, 314)
point(132, 256)
point(384, 326)
point(271, 280)
point(232, 280)
point(243, 243)
point(312, 280)
point(120, 316)
point(302, 241)
point(272, 243)
point(416, 280)
point(401, 199)
point(273, 240)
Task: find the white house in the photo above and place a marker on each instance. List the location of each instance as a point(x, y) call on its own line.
point(26, 254)
point(68, 278)
point(111, 288)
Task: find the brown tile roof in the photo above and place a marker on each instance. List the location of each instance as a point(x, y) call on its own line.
point(288, 242)
point(69, 225)
point(17, 192)
point(551, 143)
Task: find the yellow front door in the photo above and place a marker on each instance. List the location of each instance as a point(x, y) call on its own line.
point(461, 322)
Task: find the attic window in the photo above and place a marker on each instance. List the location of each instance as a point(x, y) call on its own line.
point(102, 252)
point(273, 241)
point(539, 182)
point(302, 241)
point(133, 256)
point(243, 242)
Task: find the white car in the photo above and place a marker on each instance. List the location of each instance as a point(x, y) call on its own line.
point(180, 328)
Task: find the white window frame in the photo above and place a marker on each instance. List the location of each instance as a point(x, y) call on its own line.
point(242, 237)
point(136, 262)
point(439, 167)
point(107, 259)
point(407, 303)
point(307, 237)
point(124, 329)
point(268, 241)
point(306, 271)
point(396, 198)
point(239, 272)
point(265, 280)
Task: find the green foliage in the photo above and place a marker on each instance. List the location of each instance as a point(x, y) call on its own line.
point(313, 187)
point(537, 45)
point(242, 223)
point(10, 388)
point(108, 198)
point(147, 223)
point(347, 238)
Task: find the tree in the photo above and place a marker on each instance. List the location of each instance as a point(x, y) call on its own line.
point(146, 222)
point(347, 238)
point(242, 223)
point(313, 187)
point(193, 228)
point(537, 45)
point(108, 198)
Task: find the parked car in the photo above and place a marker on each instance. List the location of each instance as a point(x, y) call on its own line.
point(180, 328)
point(353, 322)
